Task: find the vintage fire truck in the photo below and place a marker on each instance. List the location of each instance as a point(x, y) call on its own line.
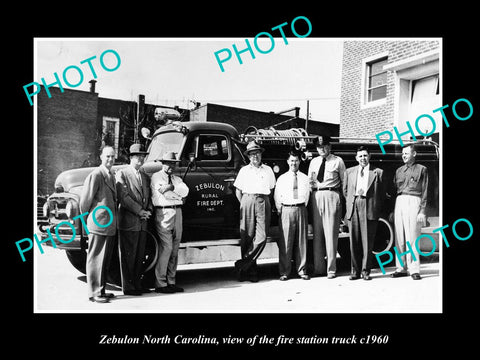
point(211, 155)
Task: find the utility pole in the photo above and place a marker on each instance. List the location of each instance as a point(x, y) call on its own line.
point(139, 115)
point(308, 114)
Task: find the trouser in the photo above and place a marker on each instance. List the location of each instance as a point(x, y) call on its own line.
point(131, 245)
point(326, 209)
point(168, 223)
point(255, 213)
point(293, 239)
point(99, 254)
point(362, 237)
point(407, 229)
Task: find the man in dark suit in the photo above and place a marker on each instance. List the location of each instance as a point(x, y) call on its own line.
point(364, 191)
point(133, 187)
point(99, 199)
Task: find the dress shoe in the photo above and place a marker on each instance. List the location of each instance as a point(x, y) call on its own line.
point(164, 290)
point(283, 278)
point(241, 277)
point(145, 290)
point(108, 295)
point(238, 265)
point(331, 276)
point(175, 288)
point(398, 274)
point(133, 292)
point(99, 299)
point(416, 276)
point(305, 277)
point(366, 276)
point(354, 277)
point(253, 278)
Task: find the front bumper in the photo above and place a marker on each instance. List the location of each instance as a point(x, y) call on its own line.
point(78, 242)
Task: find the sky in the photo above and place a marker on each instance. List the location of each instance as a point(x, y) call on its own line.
point(182, 71)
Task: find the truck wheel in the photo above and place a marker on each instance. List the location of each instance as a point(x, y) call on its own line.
point(149, 261)
point(384, 237)
point(343, 249)
point(78, 258)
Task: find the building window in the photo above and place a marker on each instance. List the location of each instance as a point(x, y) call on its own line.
point(377, 80)
point(110, 132)
point(374, 80)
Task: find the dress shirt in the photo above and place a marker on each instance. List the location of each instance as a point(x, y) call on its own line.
point(362, 181)
point(284, 189)
point(334, 171)
point(255, 180)
point(171, 197)
point(412, 180)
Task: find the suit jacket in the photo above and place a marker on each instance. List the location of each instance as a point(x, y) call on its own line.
point(97, 191)
point(375, 191)
point(133, 197)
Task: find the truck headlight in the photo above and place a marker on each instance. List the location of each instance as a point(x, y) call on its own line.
point(70, 209)
point(46, 209)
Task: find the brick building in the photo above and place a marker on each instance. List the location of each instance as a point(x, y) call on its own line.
point(386, 83)
point(241, 119)
point(73, 125)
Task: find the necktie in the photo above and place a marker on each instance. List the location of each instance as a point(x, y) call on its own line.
point(170, 179)
point(360, 191)
point(139, 177)
point(295, 186)
point(321, 172)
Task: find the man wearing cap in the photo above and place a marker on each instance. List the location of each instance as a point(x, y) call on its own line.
point(253, 184)
point(99, 191)
point(292, 193)
point(168, 194)
point(364, 192)
point(326, 173)
point(133, 187)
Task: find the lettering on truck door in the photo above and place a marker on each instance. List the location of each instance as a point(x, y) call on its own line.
point(211, 210)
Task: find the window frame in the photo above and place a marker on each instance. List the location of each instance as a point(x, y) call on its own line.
point(197, 147)
point(116, 138)
point(365, 89)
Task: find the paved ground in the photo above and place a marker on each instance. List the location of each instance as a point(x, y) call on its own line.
point(61, 288)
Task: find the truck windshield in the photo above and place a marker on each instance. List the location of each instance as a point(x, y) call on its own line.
point(169, 141)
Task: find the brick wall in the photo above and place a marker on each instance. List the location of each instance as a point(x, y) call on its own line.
point(241, 119)
point(66, 133)
point(356, 121)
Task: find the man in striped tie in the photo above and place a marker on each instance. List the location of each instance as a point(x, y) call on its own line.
point(292, 193)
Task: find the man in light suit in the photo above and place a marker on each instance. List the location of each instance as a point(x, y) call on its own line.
point(99, 199)
point(364, 191)
point(133, 187)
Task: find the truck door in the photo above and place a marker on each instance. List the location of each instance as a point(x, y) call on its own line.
point(211, 210)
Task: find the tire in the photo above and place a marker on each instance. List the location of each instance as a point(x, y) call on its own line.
point(383, 241)
point(384, 237)
point(78, 258)
point(343, 249)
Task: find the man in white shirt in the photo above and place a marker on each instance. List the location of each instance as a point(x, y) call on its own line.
point(292, 192)
point(365, 193)
point(253, 184)
point(326, 173)
point(168, 194)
